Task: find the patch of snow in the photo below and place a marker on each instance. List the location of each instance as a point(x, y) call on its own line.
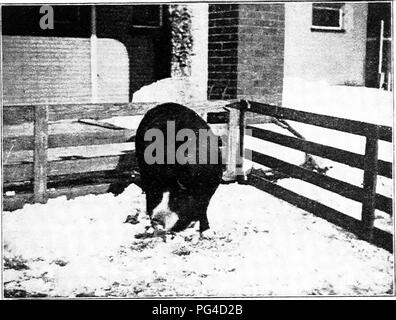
point(178, 90)
point(260, 246)
point(356, 103)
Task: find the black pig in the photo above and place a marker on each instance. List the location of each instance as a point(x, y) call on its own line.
point(178, 181)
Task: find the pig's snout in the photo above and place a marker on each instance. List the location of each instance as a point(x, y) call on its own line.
point(164, 219)
point(157, 221)
point(162, 216)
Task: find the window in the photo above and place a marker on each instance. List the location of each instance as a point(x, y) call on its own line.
point(327, 16)
point(66, 15)
point(147, 16)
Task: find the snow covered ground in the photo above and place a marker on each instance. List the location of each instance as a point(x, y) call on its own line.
point(261, 246)
point(356, 103)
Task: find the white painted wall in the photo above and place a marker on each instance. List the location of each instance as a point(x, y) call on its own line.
point(335, 58)
point(199, 59)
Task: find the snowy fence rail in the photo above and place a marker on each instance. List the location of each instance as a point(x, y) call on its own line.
point(368, 162)
point(49, 151)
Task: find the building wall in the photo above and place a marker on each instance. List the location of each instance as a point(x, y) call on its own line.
point(58, 69)
point(336, 58)
point(199, 59)
point(246, 49)
point(113, 79)
point(261, 52)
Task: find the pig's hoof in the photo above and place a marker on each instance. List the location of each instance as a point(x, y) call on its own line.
point(159, 233)
point(149, 233)
point(143, 235)
point(207, 234)
point(132, 219)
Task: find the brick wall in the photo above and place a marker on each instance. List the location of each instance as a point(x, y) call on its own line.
point(261, 52)
point(223, 51)
point(246, 52)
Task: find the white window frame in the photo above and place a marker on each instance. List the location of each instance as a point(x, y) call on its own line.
point(340, 22)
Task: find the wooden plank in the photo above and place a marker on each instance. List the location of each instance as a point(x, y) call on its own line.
point(384, 203)
point(40, 154)
point(217, 117)
point(234, 159)
point(94, 164)
point(101, 124)
point(342, 188)
point(94, 177)
point(13, 115)
point(340, 124)
point(70, 139)
point(346, 157)
point(380, 238)
point(383, 239)
point(19, 200)
point(78, 152)
point(24, 171)
point(385, 169)
point(369, 186)
point(17, 114)
point(241, 147)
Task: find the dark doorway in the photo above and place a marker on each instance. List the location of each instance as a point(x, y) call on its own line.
point(378, 47)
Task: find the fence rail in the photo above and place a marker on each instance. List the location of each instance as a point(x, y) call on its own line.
point(329, 122)
point(346, 157)
point(368, 162)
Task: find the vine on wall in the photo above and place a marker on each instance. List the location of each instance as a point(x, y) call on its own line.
point(181, 40)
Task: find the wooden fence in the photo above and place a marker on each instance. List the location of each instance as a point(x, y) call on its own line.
point(49, 151)
point(368, 162)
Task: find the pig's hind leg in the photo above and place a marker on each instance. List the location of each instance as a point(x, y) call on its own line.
point(181, 224)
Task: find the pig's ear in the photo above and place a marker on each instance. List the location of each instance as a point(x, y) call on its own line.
point(181, 186)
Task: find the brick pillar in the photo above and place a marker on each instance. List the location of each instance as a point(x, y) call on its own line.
point(246, 52)
point(223, 51)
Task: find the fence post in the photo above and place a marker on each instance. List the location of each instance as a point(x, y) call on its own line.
point(235, 147)
point(370, 184)
point(40, 153)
